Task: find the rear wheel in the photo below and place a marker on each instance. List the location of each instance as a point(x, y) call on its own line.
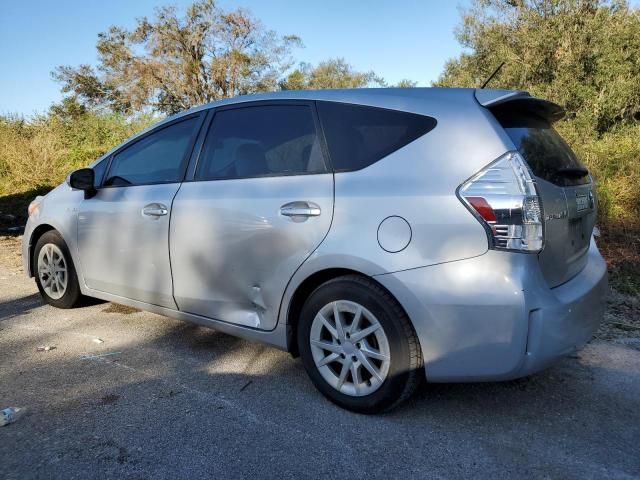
point(54, 271)
point(358, 346)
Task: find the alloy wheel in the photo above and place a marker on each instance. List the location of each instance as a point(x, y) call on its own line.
point(350, 348)
point(52, 271)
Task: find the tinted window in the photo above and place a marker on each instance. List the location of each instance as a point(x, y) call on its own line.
point(359, 136)
point(547, 154)
point(158, 158)
point(259, 141)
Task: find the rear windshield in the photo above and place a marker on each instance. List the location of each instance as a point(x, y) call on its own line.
point(547, 154)
point(358, 136)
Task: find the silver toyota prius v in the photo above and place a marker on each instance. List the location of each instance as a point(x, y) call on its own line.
point(384, 236)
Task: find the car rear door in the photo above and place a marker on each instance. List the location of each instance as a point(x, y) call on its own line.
point(260, 203)
point(565, 188)
point(123, 230)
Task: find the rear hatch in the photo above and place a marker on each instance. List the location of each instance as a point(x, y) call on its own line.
point(564, 185)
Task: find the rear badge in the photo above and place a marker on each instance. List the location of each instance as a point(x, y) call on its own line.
point(583, 201)
point(557, 216)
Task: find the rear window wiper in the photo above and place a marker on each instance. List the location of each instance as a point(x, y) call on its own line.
point(572, 172)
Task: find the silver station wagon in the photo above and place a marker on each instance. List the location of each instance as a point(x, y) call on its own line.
point(384, 236)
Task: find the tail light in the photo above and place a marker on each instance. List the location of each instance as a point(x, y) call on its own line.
point(504, 197)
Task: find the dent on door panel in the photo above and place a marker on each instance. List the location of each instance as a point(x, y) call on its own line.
point(232, 250)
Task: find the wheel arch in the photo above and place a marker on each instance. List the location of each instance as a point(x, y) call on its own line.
point(33, 240)
point(305, 288)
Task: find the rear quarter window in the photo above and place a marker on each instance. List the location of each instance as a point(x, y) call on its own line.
point(358, 136)
point(544, 150)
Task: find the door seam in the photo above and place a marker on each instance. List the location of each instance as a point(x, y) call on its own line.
point(169, 247)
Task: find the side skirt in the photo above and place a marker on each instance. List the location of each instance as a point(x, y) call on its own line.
point(275, 338)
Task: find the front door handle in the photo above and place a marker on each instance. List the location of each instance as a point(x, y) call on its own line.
point(155, 210)
point(300, 209)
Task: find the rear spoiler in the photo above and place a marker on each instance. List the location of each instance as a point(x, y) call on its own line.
point(520, 101)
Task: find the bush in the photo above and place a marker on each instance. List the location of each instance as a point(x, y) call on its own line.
point(40, 152)
point(614, 161)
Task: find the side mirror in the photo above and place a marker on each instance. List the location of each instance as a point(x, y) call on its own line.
point(83, 179)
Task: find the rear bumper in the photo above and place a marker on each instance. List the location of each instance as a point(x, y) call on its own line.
point(493, 317)
point(566, 317)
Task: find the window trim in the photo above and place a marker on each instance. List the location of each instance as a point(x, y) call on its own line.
point(193, 177)
point(107, 163)
point(185, 161)
point(395, 110)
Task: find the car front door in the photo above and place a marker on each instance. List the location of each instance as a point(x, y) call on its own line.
point(123, 230)
point(260, 203)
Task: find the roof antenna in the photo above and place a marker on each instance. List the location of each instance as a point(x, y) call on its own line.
point(493, 75)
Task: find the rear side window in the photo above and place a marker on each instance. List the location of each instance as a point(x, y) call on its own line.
point(261, 141)
point(359, 136)
point(160, 157)
point(547, 154)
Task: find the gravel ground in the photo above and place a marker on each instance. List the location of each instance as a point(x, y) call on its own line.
point(128, 394)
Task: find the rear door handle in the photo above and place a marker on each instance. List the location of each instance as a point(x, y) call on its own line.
point(155, 210)
point(300, 209)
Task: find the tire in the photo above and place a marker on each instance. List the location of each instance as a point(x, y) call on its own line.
point(392, 349)
point(51, 245)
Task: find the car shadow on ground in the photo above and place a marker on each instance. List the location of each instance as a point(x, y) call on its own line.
point(157, 386)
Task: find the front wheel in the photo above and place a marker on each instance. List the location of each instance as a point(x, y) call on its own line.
point(54, 271)
point(358, 345)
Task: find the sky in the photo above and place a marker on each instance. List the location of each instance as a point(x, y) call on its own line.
point(396, 39)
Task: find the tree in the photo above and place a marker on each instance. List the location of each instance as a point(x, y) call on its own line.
point(406, 83)
point(333, 73)
point(171, 63)
point(583, 54)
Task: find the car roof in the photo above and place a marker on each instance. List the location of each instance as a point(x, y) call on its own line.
point(352, 95)
point(364, 96)
point(346, 95)
point(406, 99)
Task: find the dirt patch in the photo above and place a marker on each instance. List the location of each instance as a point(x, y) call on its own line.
point(620, 246)
point(11, 252)
point(622, 317)
point(121, 309)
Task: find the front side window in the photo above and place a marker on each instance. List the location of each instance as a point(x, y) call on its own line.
point(261, 141)
point(358, 136)
point(157, 158)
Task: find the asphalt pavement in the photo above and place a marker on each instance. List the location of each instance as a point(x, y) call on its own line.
point(133, 395)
